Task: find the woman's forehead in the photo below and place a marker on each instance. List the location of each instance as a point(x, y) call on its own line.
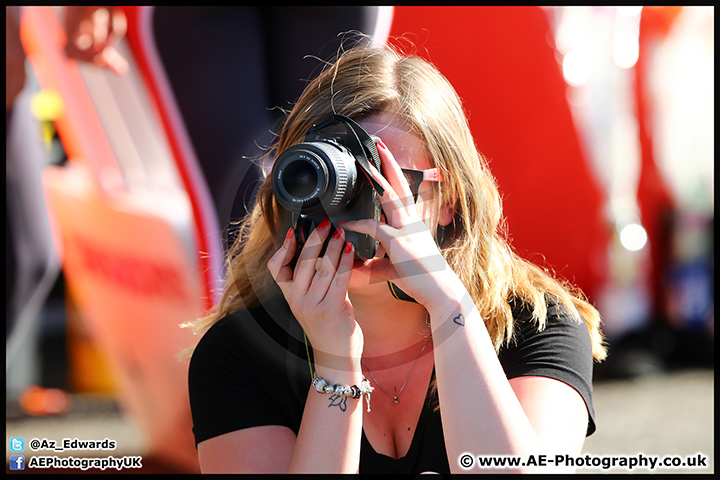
point(378, 123)
point(406, 146)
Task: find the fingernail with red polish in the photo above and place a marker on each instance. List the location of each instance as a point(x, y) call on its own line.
point(348, 247)
point(324, 224)
point(290, 233)
point(382, 145)
point(338, 233)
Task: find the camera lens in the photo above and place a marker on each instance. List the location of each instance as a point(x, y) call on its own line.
point(300, 179)
point(314, 178)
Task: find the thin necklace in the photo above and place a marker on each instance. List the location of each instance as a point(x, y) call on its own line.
point(406, 378)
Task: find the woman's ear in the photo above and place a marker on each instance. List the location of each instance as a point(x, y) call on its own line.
point(447, 213)
point(446, 226)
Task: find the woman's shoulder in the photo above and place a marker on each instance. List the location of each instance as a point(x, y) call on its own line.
point(221, 341)
point(234, 373)
point(561, 335)
point(560, 348)
point(557, 315)
point(247, 334)
point(228, 328)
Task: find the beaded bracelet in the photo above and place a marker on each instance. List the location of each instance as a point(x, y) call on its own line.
point(353, 391)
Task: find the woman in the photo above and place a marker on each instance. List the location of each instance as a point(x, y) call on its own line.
point(494, 357)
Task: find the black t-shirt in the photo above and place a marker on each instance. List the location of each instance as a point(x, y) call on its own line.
point(251, 369)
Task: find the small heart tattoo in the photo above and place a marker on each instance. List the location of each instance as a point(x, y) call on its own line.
point(460, 320)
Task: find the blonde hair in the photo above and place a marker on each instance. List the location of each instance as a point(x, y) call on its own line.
point(364, 81)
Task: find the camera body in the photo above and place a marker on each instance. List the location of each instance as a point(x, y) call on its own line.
point(328, 176)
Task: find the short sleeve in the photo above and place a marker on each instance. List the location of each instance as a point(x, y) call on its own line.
point(562, 350)
point(231, 377)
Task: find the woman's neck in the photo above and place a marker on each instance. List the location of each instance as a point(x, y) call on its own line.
point(390, 326)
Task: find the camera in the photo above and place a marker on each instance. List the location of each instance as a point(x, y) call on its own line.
point(328, 176)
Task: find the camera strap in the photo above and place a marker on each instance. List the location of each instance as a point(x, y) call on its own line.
point(366, 142)
point(399, 294)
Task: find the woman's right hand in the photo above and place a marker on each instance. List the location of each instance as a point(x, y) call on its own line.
point(317, 292)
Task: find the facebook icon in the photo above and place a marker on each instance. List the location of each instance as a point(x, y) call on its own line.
point(17, 462)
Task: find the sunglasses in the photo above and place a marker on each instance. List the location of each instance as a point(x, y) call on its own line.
point(415, 178)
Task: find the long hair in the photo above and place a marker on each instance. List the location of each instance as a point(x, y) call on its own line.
point(368, 80)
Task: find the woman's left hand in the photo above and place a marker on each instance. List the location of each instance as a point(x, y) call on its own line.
point(414, 261)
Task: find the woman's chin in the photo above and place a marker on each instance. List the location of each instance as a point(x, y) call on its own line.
point(362, 279)
point(359, 263)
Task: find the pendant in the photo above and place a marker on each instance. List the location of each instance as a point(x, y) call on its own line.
point(396, 400)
